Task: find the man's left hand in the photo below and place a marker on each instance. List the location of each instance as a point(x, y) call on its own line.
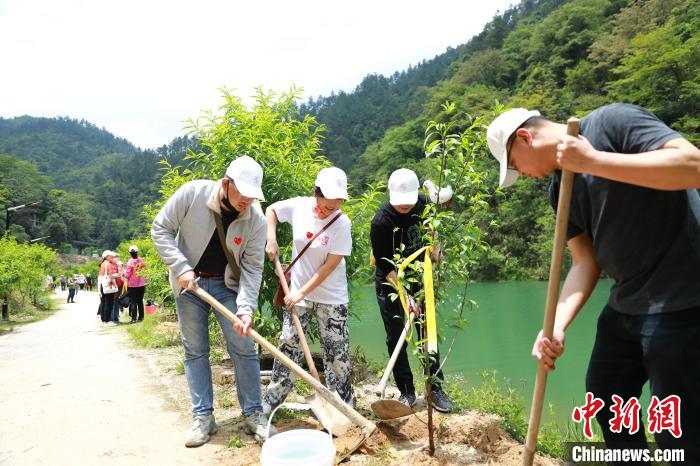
point(243, 327)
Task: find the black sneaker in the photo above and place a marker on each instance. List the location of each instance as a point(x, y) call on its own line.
point(409, 399)
point(441, 402)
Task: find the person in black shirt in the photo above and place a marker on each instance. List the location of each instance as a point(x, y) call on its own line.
point(396, 229)
point(635, 214)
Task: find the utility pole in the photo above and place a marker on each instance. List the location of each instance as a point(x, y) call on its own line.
point(14, 209)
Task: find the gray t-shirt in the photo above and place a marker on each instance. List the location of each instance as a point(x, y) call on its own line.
point(647, 240)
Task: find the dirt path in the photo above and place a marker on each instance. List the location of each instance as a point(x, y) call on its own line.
point(75, 393)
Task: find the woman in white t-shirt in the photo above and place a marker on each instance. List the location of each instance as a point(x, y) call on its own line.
point(319, 282)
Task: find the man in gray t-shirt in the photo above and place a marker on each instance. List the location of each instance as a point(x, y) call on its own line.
point(635, 214)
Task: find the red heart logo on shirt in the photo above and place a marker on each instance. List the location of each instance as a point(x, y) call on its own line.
point(237, 240)
point(309, 234)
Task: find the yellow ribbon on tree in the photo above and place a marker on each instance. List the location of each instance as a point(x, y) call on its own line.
point(430, 321)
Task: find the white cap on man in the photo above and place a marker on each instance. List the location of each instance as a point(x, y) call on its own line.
point(403, 187)
point(333, 183)
point(106, 253)
point(497, 135)
point(133, 248)
point(247, 174)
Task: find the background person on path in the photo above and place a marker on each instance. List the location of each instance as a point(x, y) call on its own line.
point(318, 282)
point(136, 282)
point(72, 287)
point(185, 235)
point(396, 229)
point(635, 213)
point(107, 276)
point(117, 267)
point(63, 283)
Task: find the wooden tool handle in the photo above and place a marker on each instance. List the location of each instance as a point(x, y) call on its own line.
point(550, 309)
point(297, 323)
point(394, 356)
point(357, 419)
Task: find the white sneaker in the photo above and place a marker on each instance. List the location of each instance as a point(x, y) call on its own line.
point(200, 430)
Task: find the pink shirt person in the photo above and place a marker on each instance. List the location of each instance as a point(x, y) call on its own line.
point(134, 268)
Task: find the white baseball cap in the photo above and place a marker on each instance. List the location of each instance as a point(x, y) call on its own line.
point(333, 183)
point(497, 136)
point(106, 253)
point(403, 187)
point(248, 176)
point(133, 248)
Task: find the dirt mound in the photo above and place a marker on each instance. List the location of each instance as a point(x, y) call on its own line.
point(470, 438)
point(467, 438)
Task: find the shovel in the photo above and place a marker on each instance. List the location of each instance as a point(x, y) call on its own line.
point(388, 408)
point(332, 419)
point(366, 426)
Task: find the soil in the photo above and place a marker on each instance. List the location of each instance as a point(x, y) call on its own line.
point(77, 393)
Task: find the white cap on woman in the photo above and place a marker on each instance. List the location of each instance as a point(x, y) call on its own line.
point(333, 183)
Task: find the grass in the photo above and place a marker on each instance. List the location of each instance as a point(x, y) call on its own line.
point(217, 356)
point(151, 334)
point(383, 455)
point(284, 413)
point(225, 398)
point(19, 316)
point(235, 441)
point(302, 388)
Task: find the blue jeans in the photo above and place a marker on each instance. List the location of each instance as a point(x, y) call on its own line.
point(116, 308)
point(193, 317)
point(661, 348)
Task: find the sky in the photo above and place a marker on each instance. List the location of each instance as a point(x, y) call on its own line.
point(141, 68)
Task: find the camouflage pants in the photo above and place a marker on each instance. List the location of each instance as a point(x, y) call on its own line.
point(335, 344)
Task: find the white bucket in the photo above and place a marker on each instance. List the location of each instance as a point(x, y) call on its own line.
point(298, 447)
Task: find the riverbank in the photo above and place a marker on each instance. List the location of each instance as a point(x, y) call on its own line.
point(465, 437)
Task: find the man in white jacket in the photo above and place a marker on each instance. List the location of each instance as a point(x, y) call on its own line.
point(185, 235)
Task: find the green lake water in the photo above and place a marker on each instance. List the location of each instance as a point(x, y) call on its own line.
point(499, 336)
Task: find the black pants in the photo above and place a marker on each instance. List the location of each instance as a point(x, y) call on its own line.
point(393, 317)
point(661, 348)
point(106, 305)
point(71, 295)
point(136, 301)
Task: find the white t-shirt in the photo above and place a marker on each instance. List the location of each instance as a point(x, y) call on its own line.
point(337, 239)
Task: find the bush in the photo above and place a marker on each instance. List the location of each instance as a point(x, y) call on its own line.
point(23, 271)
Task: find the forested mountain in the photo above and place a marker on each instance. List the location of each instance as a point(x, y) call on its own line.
point(58, 143)
point(92, 185)
point(357, 119)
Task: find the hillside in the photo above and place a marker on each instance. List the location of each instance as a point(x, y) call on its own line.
point(357, 119)
point(93, 185)
point(560, 57)
point(55, 144)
